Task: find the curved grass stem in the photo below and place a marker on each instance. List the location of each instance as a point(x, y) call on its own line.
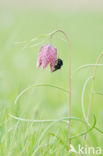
point(92, 86)
point(83, 109)
point(39, 85)
point(55, 122)
point(91, 92)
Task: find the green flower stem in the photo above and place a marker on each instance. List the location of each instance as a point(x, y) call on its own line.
point(69, 107)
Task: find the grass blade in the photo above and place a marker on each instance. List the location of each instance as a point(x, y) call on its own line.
point(82, 103)
point(87, 131)
point(39, 85)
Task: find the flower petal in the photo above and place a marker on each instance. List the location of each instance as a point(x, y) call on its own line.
point(39, 62)
point(47, 54)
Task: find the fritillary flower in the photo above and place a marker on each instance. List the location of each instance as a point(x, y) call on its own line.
point(47, 55)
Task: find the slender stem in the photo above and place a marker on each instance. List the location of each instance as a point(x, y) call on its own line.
point(92, 87)
point(69, 109)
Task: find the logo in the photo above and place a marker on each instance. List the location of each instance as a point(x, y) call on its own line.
point(72, 149)
point(86, 150)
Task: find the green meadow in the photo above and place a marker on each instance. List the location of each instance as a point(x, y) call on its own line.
point(21, 133)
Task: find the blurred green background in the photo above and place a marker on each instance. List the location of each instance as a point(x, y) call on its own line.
point(22, 21)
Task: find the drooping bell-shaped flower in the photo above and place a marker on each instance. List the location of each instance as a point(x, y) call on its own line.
point(47, 55)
